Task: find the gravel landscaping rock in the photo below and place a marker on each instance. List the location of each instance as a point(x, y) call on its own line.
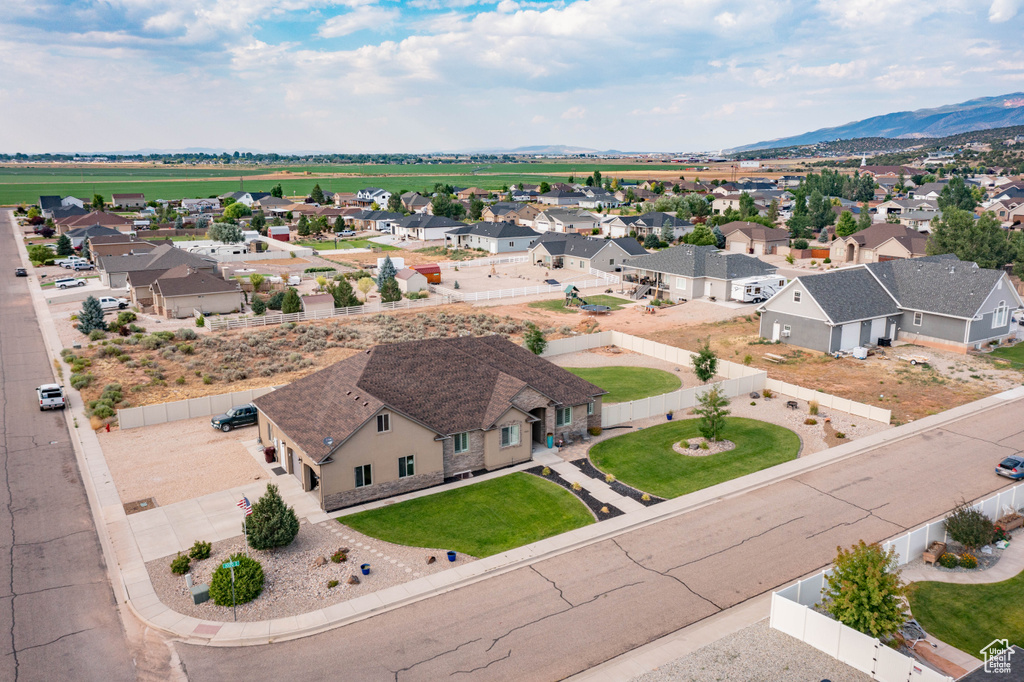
point(755, 654)
point(693, 447)
point(595, 505)
point(295, 581)
point(985, 561)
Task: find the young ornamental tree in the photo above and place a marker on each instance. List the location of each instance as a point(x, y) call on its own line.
point(534, 339)
point(865, 591)
point(711, 406)
point(705, 362)
point(365, 285)
point(91, 316)
point(272, 523)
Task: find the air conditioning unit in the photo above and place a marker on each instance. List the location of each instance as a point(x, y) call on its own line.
point(785, 333)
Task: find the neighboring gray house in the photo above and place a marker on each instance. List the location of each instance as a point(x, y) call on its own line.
point(652, 222)
point(492, 237)
point(577, 252)
point(686, 272)
point(114, 269)
point(938, 301)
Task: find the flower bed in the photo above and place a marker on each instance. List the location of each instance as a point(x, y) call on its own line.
point(595, 505)
point(585, 466)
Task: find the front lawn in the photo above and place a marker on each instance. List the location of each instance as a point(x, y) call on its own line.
point(328, 244)
point(480, 519)
point(628, 383)
point(645, 459)
point(452, 254)
point(557, 305)
point(970, 616)
point(1015, 354)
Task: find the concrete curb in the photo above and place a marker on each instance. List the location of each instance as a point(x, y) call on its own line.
point(132, 585)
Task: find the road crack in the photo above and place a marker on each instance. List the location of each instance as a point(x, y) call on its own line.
point(664, 574)
point(738, 544)
point(870, 512)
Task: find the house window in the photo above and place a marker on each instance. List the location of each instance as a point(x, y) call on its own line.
point(509, 435)
point(611, 261)
point(1000, 315)
point(363, 476)
point(383, 423)
point(461, 442)
point(563, 416)
point(796, 297)
point(406, 466)
point(918, 319)
point(681, 283)
point(590, 409)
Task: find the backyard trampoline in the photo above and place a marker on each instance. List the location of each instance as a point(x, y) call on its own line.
point(595, 309)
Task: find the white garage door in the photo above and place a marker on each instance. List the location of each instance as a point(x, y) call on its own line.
point(877, 329)
point(850, 337)
point(738, 247)
point(758, 249)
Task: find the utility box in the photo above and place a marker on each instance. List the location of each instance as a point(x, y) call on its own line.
point(200, 593)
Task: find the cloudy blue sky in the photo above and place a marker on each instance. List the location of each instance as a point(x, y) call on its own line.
point(426, 75)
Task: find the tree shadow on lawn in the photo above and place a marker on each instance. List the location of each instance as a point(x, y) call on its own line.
point(645, 459)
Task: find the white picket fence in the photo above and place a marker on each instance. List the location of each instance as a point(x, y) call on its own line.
point(452, 265)
point(207, 406)
point(792, 613)
point(222, 323)
point(516, 293)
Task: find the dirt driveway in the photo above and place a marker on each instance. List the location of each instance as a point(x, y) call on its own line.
point(178, 460)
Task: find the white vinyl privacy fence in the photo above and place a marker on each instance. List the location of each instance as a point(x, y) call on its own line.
point(207, 406)
point(793, 614)
point(739, 379)
point(492, 294)
point(220, 323)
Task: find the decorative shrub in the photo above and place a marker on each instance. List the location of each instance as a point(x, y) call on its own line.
point(594, 430)
point(201, 321)
point(810, 421)
point(248, 581)
point(684, 444)
point(704, 445)
point(339, 556)
point(331, 584)
point(812, 407)
point(969, 526)
point(97, 334)
point(840, 434)
point(767, 393)
point(968, 560)
point(272, 523)
point(80, 381)
point(179, 564)
point(645, 497)
point(752, 403)
point(546, 471)
point(949, 560)
point(200, 550)
point(609, 478)
point(827, 260)
point(576, 486)
point(998, 534)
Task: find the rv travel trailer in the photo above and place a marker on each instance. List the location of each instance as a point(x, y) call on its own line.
point(757, 289)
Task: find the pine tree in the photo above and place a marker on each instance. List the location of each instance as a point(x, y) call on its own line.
point(719, 236)
point(91, 316)
point(651, 241)
point(389, 291)
point(202, 223)
point(64, 247)
point(864, 219)
point(317, 195)
point(341, 290)
point(705, 362)
point(668, 233)
point(272, 523)
point(846, 225)
point(291, 303)
point(259, 306)
point(179, 223)
point(711, 408)
point(394, 203)
point(303, 227)
point(277, 191)
point(387, 271)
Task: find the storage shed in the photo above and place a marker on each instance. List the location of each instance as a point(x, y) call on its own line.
point(317, 302)
point(410, 281)
point(282, 233)
point(431, 271)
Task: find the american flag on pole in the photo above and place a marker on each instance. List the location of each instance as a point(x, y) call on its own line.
point(244, 505)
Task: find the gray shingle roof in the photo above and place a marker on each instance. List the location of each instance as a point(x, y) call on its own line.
point(502, 230)
point(163, 257)
point(848, 294)
point(571, 244)
point(702, 261)
point(421, 220)
point(940, 284)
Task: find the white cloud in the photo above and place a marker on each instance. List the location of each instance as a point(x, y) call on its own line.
point(574, 113)
point(1003, 10)
point(375, 18)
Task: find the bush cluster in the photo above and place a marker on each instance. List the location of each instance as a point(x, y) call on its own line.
point(949, 560)
point(969, 526)
point(200, 550)
point(179, 564)
point(248, 581)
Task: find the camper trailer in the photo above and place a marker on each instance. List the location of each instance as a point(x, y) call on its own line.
point(757, 289)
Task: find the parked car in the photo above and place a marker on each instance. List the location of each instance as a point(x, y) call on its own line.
point(69, 261)
point(347, 233)
point(65, 282)
point(20, 272)
point(83, 265)
point(239, 415)
point(111, 303)
point(51, 397)
point(1012, 467)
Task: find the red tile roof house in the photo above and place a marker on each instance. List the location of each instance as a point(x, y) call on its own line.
point(405, 416)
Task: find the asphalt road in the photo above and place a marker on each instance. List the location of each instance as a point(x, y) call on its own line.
point(572, 612)
point(58, 619)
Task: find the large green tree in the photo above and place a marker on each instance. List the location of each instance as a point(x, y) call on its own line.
point(864, 590)
point(747, 206)
point(276, 191)
point(982, 241)
point(64, 247)
point(443, 205)
point(291, 303)
point(341, 290)
point(303, 226)
point(701, 236)
point(97, 202)
point(317, 194)
point(864, 219)
point(91, 316)
point(387, 271)
point(956, 195)
point(389, 291)
point(226, 233)
point(395, 202)
point(476, 208)
point(846, 225)
point(237, 210)
point(819, 210)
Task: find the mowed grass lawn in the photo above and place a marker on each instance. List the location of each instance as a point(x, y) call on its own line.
point(557, 305)
point(645, 459)
point(328, 244)
point(629, 383)
point(1015, 354)
point(970, 616)
point(480, 519)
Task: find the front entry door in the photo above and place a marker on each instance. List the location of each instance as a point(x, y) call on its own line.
point(294, 465)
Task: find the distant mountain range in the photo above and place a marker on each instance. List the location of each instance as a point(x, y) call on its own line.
point(976, 114)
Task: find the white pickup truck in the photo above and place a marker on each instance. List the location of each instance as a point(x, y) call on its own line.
point(51, 397)
point(70, 261)
point(111, 303)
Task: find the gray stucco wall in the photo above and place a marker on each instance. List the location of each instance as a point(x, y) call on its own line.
point(935, 326)
point(805, 333)
point(982, 329)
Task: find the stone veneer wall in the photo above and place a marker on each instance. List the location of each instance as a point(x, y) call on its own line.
point(382, 490)
point(471, 460)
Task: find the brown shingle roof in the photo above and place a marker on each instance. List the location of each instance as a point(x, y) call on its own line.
point(755, 231)
point(448, 385)
point(872, 237)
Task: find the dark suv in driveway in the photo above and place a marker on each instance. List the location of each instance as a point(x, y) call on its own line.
point(239, 415)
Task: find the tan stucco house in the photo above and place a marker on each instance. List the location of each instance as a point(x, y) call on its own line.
point(404, 416)
point(753, 238)
point(183, 289)
point(878, 243)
